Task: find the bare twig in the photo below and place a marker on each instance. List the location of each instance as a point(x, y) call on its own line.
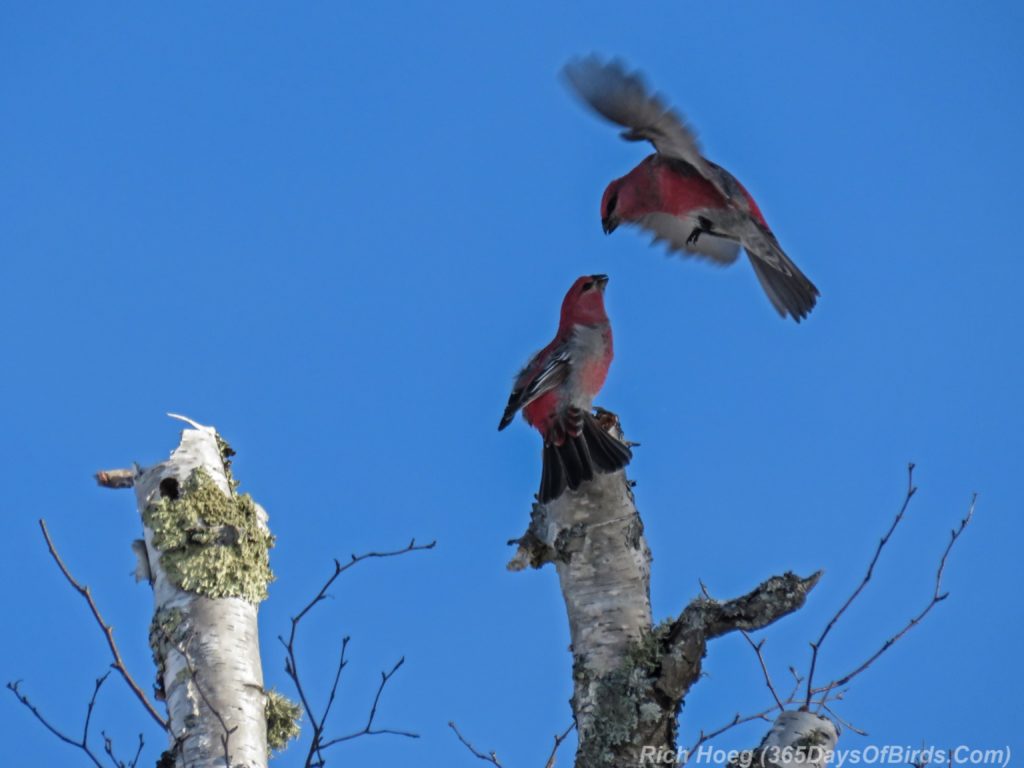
point(108, 632)
point(318, 728)
point(737, 720)
point(816, 646)
point(797, 680)
point(83, 744)
point(490, 757)
point(764, 667)
point(339, 569)
point(108, 747)
point(937, 597)
point(559, 738)
point(368, 729)
point(844, 723)
point(314, 757)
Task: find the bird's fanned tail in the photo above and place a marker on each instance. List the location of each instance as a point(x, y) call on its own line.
point(576, 458)
point(789, 290)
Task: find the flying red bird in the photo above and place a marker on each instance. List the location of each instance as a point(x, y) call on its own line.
point(679, 195)
point(556, 392)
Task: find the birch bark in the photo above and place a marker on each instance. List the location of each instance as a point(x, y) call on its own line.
point(630, 676)
point(207, 582)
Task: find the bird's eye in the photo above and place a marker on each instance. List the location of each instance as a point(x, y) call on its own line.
point(588, 285)
point(612, 202)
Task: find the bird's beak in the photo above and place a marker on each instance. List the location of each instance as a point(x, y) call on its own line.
point(609, 224)
point(601, 280)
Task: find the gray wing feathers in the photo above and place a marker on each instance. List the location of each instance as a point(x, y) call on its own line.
point(622, 97)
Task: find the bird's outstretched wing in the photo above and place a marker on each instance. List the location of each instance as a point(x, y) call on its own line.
point(534, 380)
point(623, 98)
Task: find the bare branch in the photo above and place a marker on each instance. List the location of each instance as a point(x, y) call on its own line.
point(769, 602)
point(116, 478)
point(108, 632)
point(318, 727)
point(764, 667)
point(816, 646)
point(797, 680)
point(339, 569)
point(368, 729)
point(491, 757)
point(705, 618)
point(937, 597)
point(737, 720)
point(108, 747)
point(83, 744)
point(844, 723)
point(314, 756)
point(559, 738)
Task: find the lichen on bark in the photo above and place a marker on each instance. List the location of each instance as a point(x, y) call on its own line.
point(226, 452)
point(626, 701)
point(210, 543)
point(168, 627)
point(283, 717)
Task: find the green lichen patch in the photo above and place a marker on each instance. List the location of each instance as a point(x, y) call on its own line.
point(625, 700)
point(645, 654)
point(283, 717)
point(166, 627)
point(212, 544)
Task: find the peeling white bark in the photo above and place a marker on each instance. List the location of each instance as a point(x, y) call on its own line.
point(221, 678)
point(142, 572)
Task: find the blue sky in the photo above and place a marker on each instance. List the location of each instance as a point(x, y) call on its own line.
point(335, 231)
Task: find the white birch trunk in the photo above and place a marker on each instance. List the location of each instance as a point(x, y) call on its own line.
point(605, 579)
point(208, 647)
point(630, 677)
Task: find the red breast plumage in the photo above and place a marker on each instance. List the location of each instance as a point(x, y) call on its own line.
point(556, 390)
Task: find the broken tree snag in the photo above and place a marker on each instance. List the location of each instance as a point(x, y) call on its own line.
point(796, 739)
point(684, 640)
point(116, 478)
point(594, 537)
point(629, 676)
point(207, 549)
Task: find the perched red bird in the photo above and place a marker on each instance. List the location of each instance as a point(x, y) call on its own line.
point(556, 392)
point(679, 195)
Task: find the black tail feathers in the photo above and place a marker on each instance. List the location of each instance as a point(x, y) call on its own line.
point(579, 457)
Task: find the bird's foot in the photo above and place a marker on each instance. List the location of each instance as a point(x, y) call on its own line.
point(704, 225)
